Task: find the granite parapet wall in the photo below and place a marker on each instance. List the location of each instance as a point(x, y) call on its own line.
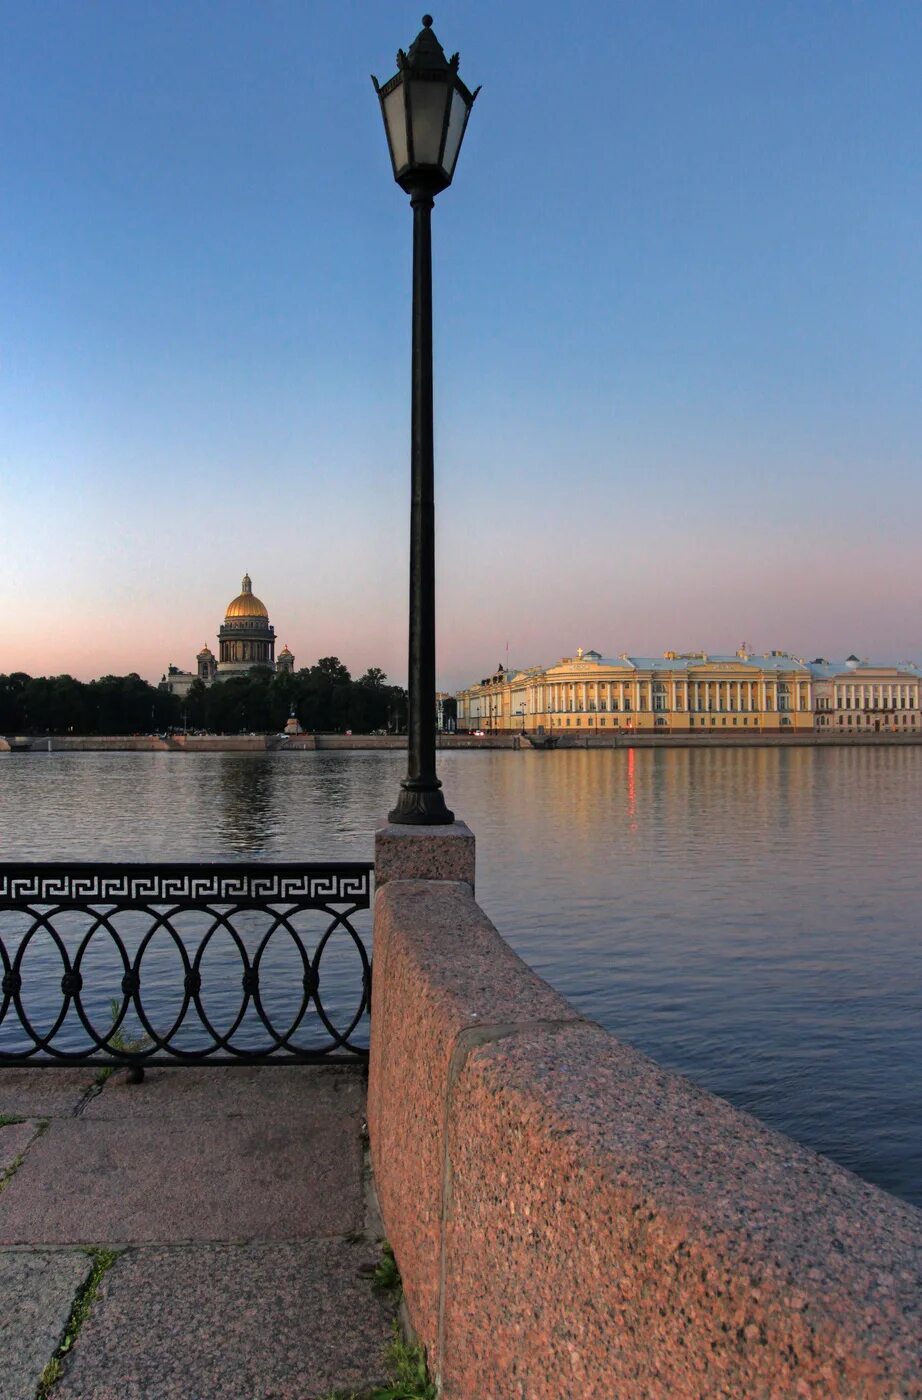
point(571, 1220)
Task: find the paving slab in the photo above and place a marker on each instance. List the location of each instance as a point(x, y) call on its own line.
point(283, 1322)
point(144, 1181)
point(218, 1093)
point(43, 1093)
point(37, 1290)
point(14, 1139)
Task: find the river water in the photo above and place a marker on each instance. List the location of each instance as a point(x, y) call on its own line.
point(751, 917)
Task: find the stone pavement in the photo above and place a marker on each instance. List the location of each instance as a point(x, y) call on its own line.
point(240, 1209)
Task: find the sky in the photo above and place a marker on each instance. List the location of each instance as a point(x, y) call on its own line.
point(678, 301)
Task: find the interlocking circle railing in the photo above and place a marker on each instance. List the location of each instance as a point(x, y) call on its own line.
point(183, 964)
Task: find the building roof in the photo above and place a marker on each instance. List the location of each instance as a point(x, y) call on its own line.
point(246, 603)
point(775, 662)
point(822, 670)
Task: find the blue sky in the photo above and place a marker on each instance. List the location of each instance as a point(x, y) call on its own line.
point(678, 355)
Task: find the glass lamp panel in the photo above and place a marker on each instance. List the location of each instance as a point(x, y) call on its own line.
point(457, 121)
point(427, 114)
point(395, 118)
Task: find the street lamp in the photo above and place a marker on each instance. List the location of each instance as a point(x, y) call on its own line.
point(425, 108)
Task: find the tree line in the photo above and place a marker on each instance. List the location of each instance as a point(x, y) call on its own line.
point(323, 697)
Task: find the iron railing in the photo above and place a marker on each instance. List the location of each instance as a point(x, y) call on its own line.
point(183, 964)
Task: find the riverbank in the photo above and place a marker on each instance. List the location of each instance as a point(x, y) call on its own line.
point(576, 1220)
point(273, 743)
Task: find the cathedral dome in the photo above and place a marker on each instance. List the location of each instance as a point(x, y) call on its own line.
point(246, 604)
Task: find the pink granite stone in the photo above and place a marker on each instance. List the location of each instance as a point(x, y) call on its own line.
point(612, 1230)
point(572, 1220)
point(424, 853)
point(443, 980)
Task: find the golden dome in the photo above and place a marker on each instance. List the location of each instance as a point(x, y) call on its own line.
point(246, 604)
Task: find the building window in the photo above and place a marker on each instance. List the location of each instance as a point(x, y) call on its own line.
point(602, 720)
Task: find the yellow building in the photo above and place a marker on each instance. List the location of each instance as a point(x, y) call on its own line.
point(861, 697)
point(679, 692)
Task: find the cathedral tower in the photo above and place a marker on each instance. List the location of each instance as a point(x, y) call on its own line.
point(246, 638)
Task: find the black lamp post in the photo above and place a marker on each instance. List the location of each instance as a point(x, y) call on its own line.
point(425, 108)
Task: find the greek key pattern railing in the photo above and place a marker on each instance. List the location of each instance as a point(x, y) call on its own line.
point(183, 964)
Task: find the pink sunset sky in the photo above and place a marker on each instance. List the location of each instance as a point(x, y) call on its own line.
point(677, 349)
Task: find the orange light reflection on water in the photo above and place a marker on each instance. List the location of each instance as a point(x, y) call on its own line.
point(631, 790)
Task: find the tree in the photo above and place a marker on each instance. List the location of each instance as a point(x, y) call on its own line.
point(196, 704)
point(324, 697)
point(12, 688)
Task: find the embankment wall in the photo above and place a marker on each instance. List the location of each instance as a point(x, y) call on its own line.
point(259, 743)
point(570, 1219)
point(102, 743)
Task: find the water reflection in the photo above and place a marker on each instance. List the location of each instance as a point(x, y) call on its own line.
point(749, 916)
point(248, 818)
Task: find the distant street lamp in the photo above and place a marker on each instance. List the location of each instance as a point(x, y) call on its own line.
point(425, 108)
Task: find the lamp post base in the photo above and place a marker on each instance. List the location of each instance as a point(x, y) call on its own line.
point(421, 806)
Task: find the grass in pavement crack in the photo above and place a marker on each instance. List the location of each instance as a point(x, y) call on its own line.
point(386, 1277)
point(406, 1362)
point(7, 1174)
point(409, 1377)
point(117, 1040)
point(103, 1259)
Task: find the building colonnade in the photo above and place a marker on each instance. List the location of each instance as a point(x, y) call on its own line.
point(691, 691)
